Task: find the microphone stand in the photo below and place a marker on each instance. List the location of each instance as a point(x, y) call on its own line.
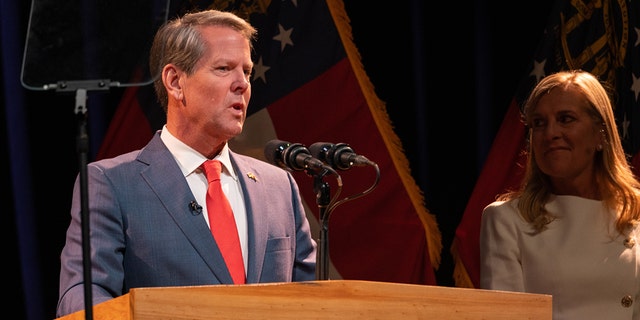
point(326, 206)
point(323, 197)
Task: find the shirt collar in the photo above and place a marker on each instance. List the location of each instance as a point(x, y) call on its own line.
point(189, 160)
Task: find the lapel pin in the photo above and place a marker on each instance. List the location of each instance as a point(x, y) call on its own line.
point(252, 176)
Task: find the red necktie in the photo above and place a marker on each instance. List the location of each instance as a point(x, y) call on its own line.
point(222, 222)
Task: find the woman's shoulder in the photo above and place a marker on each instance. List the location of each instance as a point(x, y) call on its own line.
point(502, 205)
point(502, 210)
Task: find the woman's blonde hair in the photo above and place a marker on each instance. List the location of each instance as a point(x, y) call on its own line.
point(617, 184)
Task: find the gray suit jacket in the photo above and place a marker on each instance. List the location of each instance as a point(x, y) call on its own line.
point(145, 233)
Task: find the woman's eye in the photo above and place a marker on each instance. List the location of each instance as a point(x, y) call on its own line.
point(566, 119)
point(536, 123)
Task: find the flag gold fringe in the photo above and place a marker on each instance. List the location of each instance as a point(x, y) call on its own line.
point(460, 275)
point(391, 140)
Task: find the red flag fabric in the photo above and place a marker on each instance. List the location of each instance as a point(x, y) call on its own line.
point(503, 170)
point(601, 37)
point(128, 130)
point(309, 86)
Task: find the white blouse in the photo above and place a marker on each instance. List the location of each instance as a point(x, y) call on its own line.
point(589, 269)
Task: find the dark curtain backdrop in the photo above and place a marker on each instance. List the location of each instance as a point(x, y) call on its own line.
point(446, 70)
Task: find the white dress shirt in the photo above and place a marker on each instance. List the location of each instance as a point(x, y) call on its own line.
point(189, 161)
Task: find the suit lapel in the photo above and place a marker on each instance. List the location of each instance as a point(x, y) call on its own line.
point(166, 180)
point(254, 195)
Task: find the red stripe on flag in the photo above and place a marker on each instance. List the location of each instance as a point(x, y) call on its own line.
point(129, 128)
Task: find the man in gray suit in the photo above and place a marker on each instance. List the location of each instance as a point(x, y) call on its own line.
point(148, 218)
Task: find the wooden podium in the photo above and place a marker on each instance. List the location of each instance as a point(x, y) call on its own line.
point(324, 299)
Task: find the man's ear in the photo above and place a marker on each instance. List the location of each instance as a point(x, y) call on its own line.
point(171, 79)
